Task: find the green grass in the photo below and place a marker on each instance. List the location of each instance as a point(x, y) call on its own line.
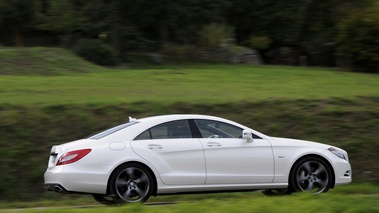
point(194, 84)
point(42, 61)
point(349, 198)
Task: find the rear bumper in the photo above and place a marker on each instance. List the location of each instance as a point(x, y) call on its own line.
point(75, 179)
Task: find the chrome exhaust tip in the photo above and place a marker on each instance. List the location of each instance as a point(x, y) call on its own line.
point(58, 189)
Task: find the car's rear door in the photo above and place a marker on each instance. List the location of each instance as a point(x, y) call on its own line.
point(170, 148)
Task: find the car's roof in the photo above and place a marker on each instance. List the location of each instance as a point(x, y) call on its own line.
point(172, 117)
point(151, 121)
point(179, 116)
point(141, 124)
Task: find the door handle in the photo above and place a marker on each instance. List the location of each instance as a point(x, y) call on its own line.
point(154, 146)
point(213, 144)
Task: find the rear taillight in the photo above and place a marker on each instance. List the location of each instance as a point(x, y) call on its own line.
point(73, 156)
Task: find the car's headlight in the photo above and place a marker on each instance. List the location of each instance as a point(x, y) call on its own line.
point(337, 152)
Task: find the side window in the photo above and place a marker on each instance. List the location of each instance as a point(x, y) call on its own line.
point(144, 136)
point(216, 129)
point(173, 129)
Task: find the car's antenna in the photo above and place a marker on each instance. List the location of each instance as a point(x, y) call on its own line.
point(132, 119)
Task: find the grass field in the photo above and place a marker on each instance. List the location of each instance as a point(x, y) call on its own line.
point(54, 82)
point(48, 96)
point(195, 84)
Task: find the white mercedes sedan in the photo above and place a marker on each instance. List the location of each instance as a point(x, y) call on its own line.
point(173, 154)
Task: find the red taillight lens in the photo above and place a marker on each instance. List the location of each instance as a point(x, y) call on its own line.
point(73, 156)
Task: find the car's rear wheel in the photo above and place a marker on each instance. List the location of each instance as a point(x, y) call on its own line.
point(131, 183)
point(311, 174)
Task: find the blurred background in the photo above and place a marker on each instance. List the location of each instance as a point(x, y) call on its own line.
point(291, 68)
point(342, 33)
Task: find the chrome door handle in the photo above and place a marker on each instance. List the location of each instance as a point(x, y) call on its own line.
point(154, 146)
point(213, 144)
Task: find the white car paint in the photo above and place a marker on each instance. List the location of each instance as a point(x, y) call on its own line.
point(179, 161)
point(188, 164)
point(234, 161)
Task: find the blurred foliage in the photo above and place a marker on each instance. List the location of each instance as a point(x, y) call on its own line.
point(259, 42)
point(180, 53)
point(358, 41)
point(60, 17)
point(214, 35)
point(64, 18)
point(309, 27)
point(16, 16)
point(96, 51)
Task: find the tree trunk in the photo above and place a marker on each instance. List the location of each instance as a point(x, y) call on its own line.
point(17, 38)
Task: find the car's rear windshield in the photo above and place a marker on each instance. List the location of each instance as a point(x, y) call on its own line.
point(112, 130)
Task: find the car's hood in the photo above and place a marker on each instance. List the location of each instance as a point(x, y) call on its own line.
point(295, 142)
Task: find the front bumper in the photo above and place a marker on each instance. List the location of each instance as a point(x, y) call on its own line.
point(343, 172)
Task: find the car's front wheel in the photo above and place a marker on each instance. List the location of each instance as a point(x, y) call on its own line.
point(311, 174)
point(131, 183)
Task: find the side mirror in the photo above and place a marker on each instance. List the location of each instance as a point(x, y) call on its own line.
point(247, 135)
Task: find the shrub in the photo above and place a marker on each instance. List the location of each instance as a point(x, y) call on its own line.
point(259, 42)
point(214, 35)
point(96, 51)
point(180, 52)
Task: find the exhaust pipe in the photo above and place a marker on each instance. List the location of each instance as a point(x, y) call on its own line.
point(58, 189)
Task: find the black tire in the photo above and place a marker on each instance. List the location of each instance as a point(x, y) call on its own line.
point(131, 183)
point(276, 192)
point(311, 174)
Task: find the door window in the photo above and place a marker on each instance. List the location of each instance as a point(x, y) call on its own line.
point(169, 130)
point(217, 129)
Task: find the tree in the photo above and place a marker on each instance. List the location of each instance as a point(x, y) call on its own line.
point(166, 21)
point(99, 17)
point(62, 17)
point(358, 40)
point(277, 20)
point(309, 27)
point(17, 16)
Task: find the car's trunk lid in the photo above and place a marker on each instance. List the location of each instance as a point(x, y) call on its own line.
point(58, 150)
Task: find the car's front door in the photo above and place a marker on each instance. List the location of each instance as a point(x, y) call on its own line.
point(170, 148)
point(231, 159)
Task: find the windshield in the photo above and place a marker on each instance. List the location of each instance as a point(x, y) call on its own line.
point(112, 130)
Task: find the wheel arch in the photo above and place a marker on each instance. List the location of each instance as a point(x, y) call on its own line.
point(316, 156)
point(155, 189)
